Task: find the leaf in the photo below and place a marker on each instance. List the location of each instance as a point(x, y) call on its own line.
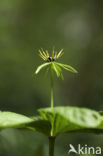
point(40, 125)
point(67, 67)
point(41, 66)
point(67, 119)
point(54, 121)
point(101, 113)
point(13, 120)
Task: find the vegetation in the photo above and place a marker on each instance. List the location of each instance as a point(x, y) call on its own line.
point(53, 121)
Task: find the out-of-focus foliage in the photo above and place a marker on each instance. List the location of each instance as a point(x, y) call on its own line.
point(86, 155)
point(25, 27)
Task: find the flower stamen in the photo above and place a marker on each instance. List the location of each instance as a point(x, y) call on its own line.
point(46, 57)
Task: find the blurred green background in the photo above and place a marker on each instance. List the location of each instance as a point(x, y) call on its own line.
point(25, 27)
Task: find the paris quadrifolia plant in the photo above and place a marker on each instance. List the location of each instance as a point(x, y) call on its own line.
point(51, 65)
point(53, 121)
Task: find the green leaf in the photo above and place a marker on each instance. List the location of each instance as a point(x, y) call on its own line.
point(67, 119)
point(101, 113)
point(41, 66)
point(13, 120)
point(40, 125)
point(54, 121)
point(67, 67)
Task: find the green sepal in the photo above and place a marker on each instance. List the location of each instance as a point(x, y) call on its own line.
point(41, 67)
point(57, 70)
point(67, 67)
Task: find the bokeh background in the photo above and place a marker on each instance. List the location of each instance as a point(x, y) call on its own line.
point(25, 27)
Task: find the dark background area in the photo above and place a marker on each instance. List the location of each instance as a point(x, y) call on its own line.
point(25, 27)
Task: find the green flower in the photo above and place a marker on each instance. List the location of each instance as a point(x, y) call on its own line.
point(45, 55)
point(52, 64)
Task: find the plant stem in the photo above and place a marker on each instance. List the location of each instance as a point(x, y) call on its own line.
point(51, 146)
point(52, 94)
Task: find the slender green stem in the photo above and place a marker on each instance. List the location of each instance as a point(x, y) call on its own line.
point(51, 146)
point(52, 94)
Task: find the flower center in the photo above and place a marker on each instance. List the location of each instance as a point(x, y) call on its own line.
point(51, 59)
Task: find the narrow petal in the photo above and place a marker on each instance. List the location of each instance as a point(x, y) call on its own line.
point(60, 54)
point(47, 53)
point(53, 53)
point(55, 56)
point(42, 56)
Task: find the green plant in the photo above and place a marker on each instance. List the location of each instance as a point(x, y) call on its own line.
point(52, 65)
point(53, 121)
